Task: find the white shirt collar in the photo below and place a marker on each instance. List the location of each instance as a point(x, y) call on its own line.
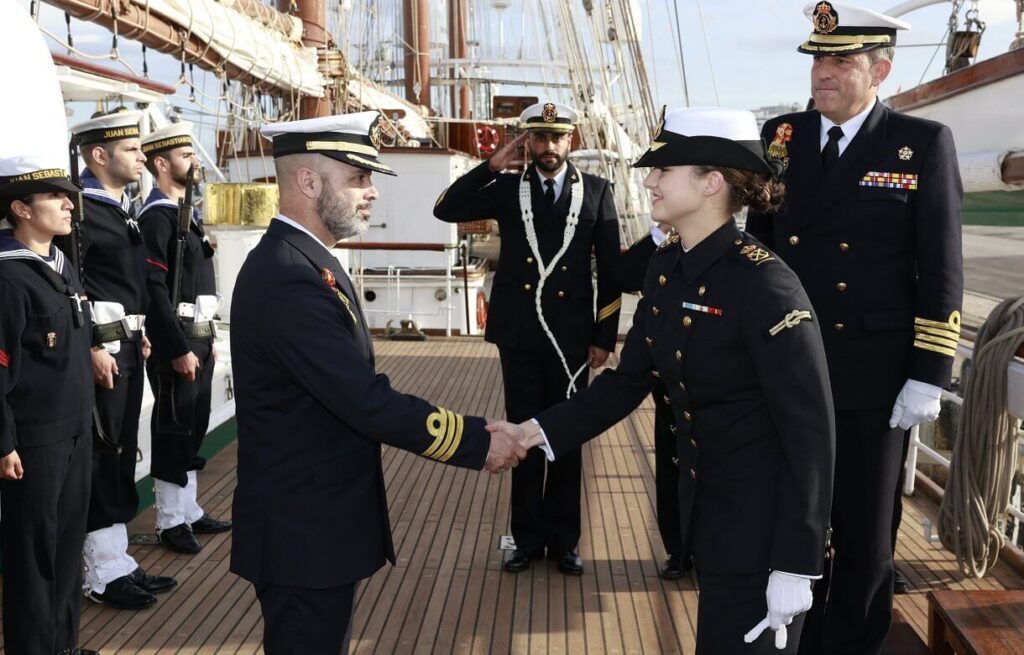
point(850, 128)
point(559, 179)
point(287, 221)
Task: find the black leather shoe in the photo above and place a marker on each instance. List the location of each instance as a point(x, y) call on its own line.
point(85, 651)
point(210, 525)
point(569, 563)
point(123, 594)
point(900, 585)
point(154, 584)
point(520, 561)
point(180, 539)
point(675, 568)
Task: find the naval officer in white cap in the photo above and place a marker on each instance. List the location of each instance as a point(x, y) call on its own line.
point(872, 227)
point(310, 511)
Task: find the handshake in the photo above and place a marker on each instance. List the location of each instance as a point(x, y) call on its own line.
point(510, 443)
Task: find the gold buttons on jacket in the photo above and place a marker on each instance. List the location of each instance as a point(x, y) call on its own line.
point(662, 280)
point(687, 321)
point(688, 416)
point(561, 294)
point(679, 356)
point(841, 286)
point(838, 326)
point(565, 268)
point(527, 286)
point(529, 260)
point(738, 242)
point(655, 311)
point(794, 240)
point(844, 247)
point(702, 290)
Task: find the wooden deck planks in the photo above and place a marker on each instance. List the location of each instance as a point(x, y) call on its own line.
point(448, 593)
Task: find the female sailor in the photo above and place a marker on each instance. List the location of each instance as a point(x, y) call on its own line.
point(729, 331)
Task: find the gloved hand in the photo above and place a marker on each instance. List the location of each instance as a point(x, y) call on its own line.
point(917, 403)
point(788, 595)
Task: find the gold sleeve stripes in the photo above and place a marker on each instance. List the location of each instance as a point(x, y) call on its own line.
point(937, 336)
point(446, 428)
point(609, 309)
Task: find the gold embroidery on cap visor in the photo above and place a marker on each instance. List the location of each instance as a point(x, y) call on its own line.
point(843, 42)
point(341, 146)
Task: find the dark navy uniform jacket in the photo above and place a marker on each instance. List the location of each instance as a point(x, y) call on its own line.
point(310, 508)
point(877, 245)
point(568, 301)
point(731, 334)
point(113, 255)
point(46, 388)
point(158, 220)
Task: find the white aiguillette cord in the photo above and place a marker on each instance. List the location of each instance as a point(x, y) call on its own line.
point(526, 208)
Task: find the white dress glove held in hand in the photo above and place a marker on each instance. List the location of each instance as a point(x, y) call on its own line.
point(788, 595)
point(917, 403)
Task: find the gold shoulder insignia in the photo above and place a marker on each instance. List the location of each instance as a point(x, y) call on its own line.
point(670, 240)
point(756, 254)
point(446, 428)
point(790, 320)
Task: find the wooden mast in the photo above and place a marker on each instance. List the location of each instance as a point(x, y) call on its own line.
point(313, 14)
point(416, 23)
point(460, 135)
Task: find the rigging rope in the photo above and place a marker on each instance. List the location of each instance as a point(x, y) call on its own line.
point(985, 453)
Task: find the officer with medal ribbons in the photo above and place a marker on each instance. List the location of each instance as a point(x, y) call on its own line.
point(113, 260)
point(180, 369)
point(728, 330)
point(46, 391)
point(310, 509)
point(552, 218)
point(871, 225)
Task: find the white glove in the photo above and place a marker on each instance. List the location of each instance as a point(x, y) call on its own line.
point(788, 595)
point(917, 403)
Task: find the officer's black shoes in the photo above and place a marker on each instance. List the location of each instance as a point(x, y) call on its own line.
point(521, 560)
point(154, 584)
point(180, 539)
point(569, 562)
point(210, 525)
point(123, 594)
point(78, 651)
point(900, 585)
point(675, 568)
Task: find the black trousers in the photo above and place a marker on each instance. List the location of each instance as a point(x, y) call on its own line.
point(174, 455)
point(855, 617)
point(729, 606)
point(545, 509)
point(666, 477)
point(114, 499)
point(300, 621)
point(41, 536)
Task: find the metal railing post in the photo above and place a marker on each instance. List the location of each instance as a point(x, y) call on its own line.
point(910, 465)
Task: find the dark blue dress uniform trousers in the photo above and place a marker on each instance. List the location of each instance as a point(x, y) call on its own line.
point(295, 618)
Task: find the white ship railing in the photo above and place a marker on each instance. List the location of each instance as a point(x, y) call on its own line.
point(918, 448)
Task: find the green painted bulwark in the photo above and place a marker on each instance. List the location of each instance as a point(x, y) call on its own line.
point(1004, 208)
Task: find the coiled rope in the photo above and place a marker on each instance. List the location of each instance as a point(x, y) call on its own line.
point(984, 455)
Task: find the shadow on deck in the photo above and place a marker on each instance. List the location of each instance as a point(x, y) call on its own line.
point(448, 594)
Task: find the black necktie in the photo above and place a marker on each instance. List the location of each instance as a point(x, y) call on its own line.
point(830, 155)
point(549, 193)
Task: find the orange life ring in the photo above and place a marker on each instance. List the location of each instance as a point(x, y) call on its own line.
point(487, 139)
point(481, 309)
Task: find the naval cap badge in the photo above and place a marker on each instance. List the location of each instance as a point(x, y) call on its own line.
point(376, 134)
point(549, 114)
point(826, 20)
point(661, 122)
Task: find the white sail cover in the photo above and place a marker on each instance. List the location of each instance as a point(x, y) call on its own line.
point(244, 42)
point(983, 171)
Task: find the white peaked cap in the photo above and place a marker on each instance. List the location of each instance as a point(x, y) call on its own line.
point(354, 139)
point(549, 117)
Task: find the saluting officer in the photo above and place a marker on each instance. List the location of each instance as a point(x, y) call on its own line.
point(180, 369)
point(310, 509)
point(113, 258)
point(872, 227)
point(629, 274)
point(552, 218)
point(45, 409)
point(721, 323)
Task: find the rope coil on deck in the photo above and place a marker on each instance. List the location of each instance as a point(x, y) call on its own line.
point(984, 455)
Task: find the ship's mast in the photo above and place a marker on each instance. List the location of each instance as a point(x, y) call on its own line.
point(416, 23)
point(313, 14)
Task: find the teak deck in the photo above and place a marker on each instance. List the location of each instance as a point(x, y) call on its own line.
point(448, 593)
